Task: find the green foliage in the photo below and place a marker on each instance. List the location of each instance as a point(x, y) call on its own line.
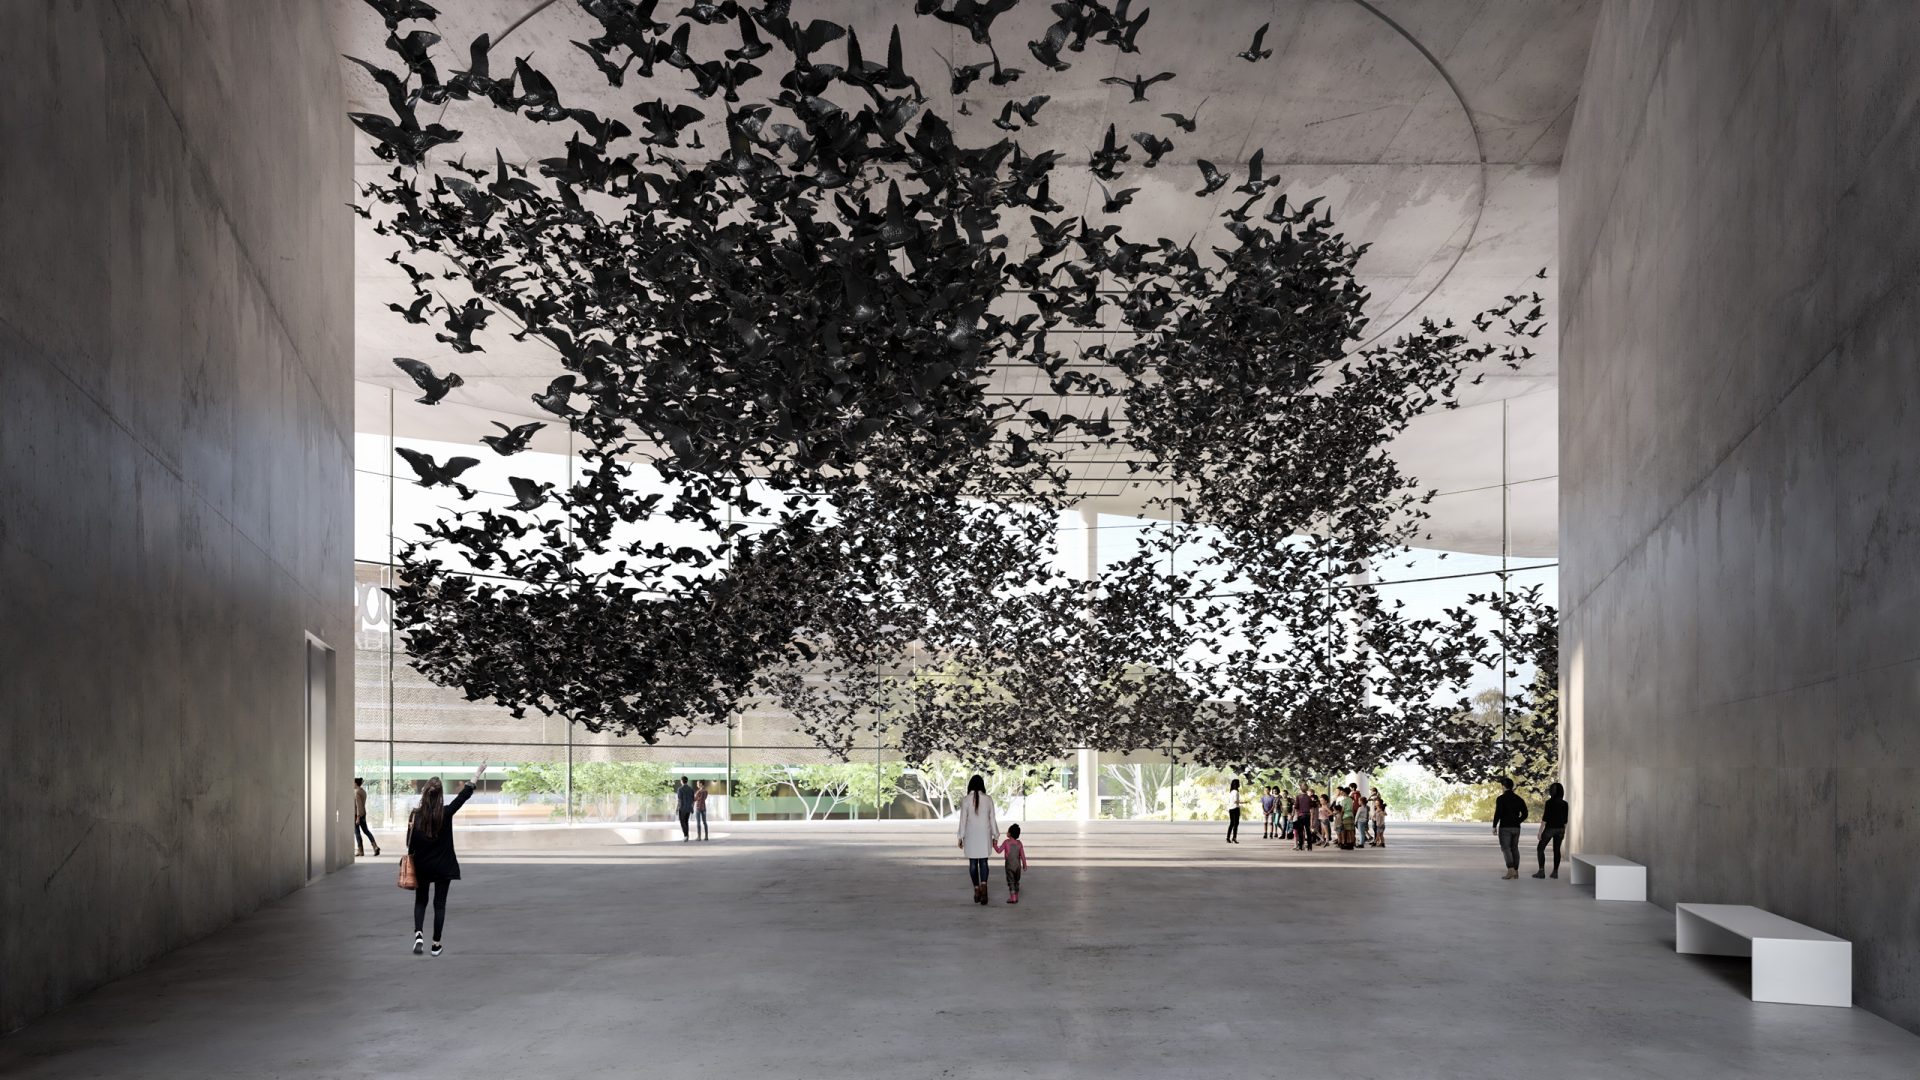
point(601, 789)
point(1474, 802)
point(1412, 793)
point(535, 778)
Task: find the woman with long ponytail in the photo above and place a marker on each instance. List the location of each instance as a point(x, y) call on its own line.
point(430, 846)
point(979, 831)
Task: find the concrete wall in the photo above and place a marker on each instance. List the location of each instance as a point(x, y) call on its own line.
point(175, 470)
point(1740, 477)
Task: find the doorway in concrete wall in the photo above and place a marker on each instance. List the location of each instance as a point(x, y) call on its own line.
point(319, 682)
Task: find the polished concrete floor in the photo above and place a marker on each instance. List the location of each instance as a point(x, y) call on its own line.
point(835, 951)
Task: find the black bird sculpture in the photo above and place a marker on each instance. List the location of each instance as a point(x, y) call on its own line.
point(433, 387)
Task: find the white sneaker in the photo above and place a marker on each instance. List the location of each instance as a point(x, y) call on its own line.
point(419, 944)
point(436, 948)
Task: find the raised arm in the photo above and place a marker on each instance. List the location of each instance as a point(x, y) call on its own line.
point(466, 792)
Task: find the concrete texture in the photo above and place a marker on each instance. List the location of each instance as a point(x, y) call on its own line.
point(1740, 537)
point(1147, 950)
point(175, 470)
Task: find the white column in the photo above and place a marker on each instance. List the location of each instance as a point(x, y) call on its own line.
point(1087, 762)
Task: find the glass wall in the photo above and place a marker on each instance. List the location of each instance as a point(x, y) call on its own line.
point(759, 767)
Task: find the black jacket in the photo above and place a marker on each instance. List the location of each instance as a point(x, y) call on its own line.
point(433, 857)
point(1509, 810)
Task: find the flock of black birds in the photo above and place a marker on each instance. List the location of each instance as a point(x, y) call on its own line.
point(783, 345)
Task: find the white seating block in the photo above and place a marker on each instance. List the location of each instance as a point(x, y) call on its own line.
point(1792, 963)
point(1612, 877)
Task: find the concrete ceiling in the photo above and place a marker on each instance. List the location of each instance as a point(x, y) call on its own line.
point(1433, 128)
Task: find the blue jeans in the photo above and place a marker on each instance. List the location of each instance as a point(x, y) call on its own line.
point(1361, 827)
point(977, 871)
point(700, 823)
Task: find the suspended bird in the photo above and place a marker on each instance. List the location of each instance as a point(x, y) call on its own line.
point(554, 400)
point(962, 76)
point(1255, 185)
point(1156, 147)
point(531, 495)
point(515, 439)
point(1121, 33)
point(616, 73)
point(1027, 112)
point(394, 12)
point(1047, 49)
point(1105, 161)
point(1214, 177)
point(1188, 123)
point(1117, 199)
point(1138, 84)
point(415, 312)
point(424, 378)
point(975, 15)
point(432, 474)
point(1254, 52)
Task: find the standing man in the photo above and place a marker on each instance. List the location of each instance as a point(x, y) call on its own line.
point(1266, 813)
point(1509, 813)
point(683, 800)
point(1362, 817)
point(1343, 808)
point(360, 821)
point(1303, 820)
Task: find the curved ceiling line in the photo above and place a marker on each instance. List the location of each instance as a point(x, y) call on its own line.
point(1479, 152)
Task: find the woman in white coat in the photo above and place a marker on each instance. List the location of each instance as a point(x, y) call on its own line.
point(979, 831)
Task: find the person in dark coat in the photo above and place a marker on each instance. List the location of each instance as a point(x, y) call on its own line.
point(1509, 813)
point(683, 805)
point(430, 843)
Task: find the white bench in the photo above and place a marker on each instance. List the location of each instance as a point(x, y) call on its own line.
point(1791, 963)
point(1612, 877)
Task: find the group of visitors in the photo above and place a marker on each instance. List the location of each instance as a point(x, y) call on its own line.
point(1344, 817)
point(1510, 813)
point(690, 802)
point(979, 837)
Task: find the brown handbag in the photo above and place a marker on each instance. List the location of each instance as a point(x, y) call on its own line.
point(407, 880)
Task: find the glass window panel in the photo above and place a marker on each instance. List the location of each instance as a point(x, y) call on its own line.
point(370, 762)
point(524, 784)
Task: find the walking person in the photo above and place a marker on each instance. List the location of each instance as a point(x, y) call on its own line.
point(683, 805)
point(1233, 811)
point(700, 811)
point(360, 821)
point(1553, 829)
point(430, 847)
point(1303, 820)
point(979, 831)
point(1016, 853)
point(1509, 813)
